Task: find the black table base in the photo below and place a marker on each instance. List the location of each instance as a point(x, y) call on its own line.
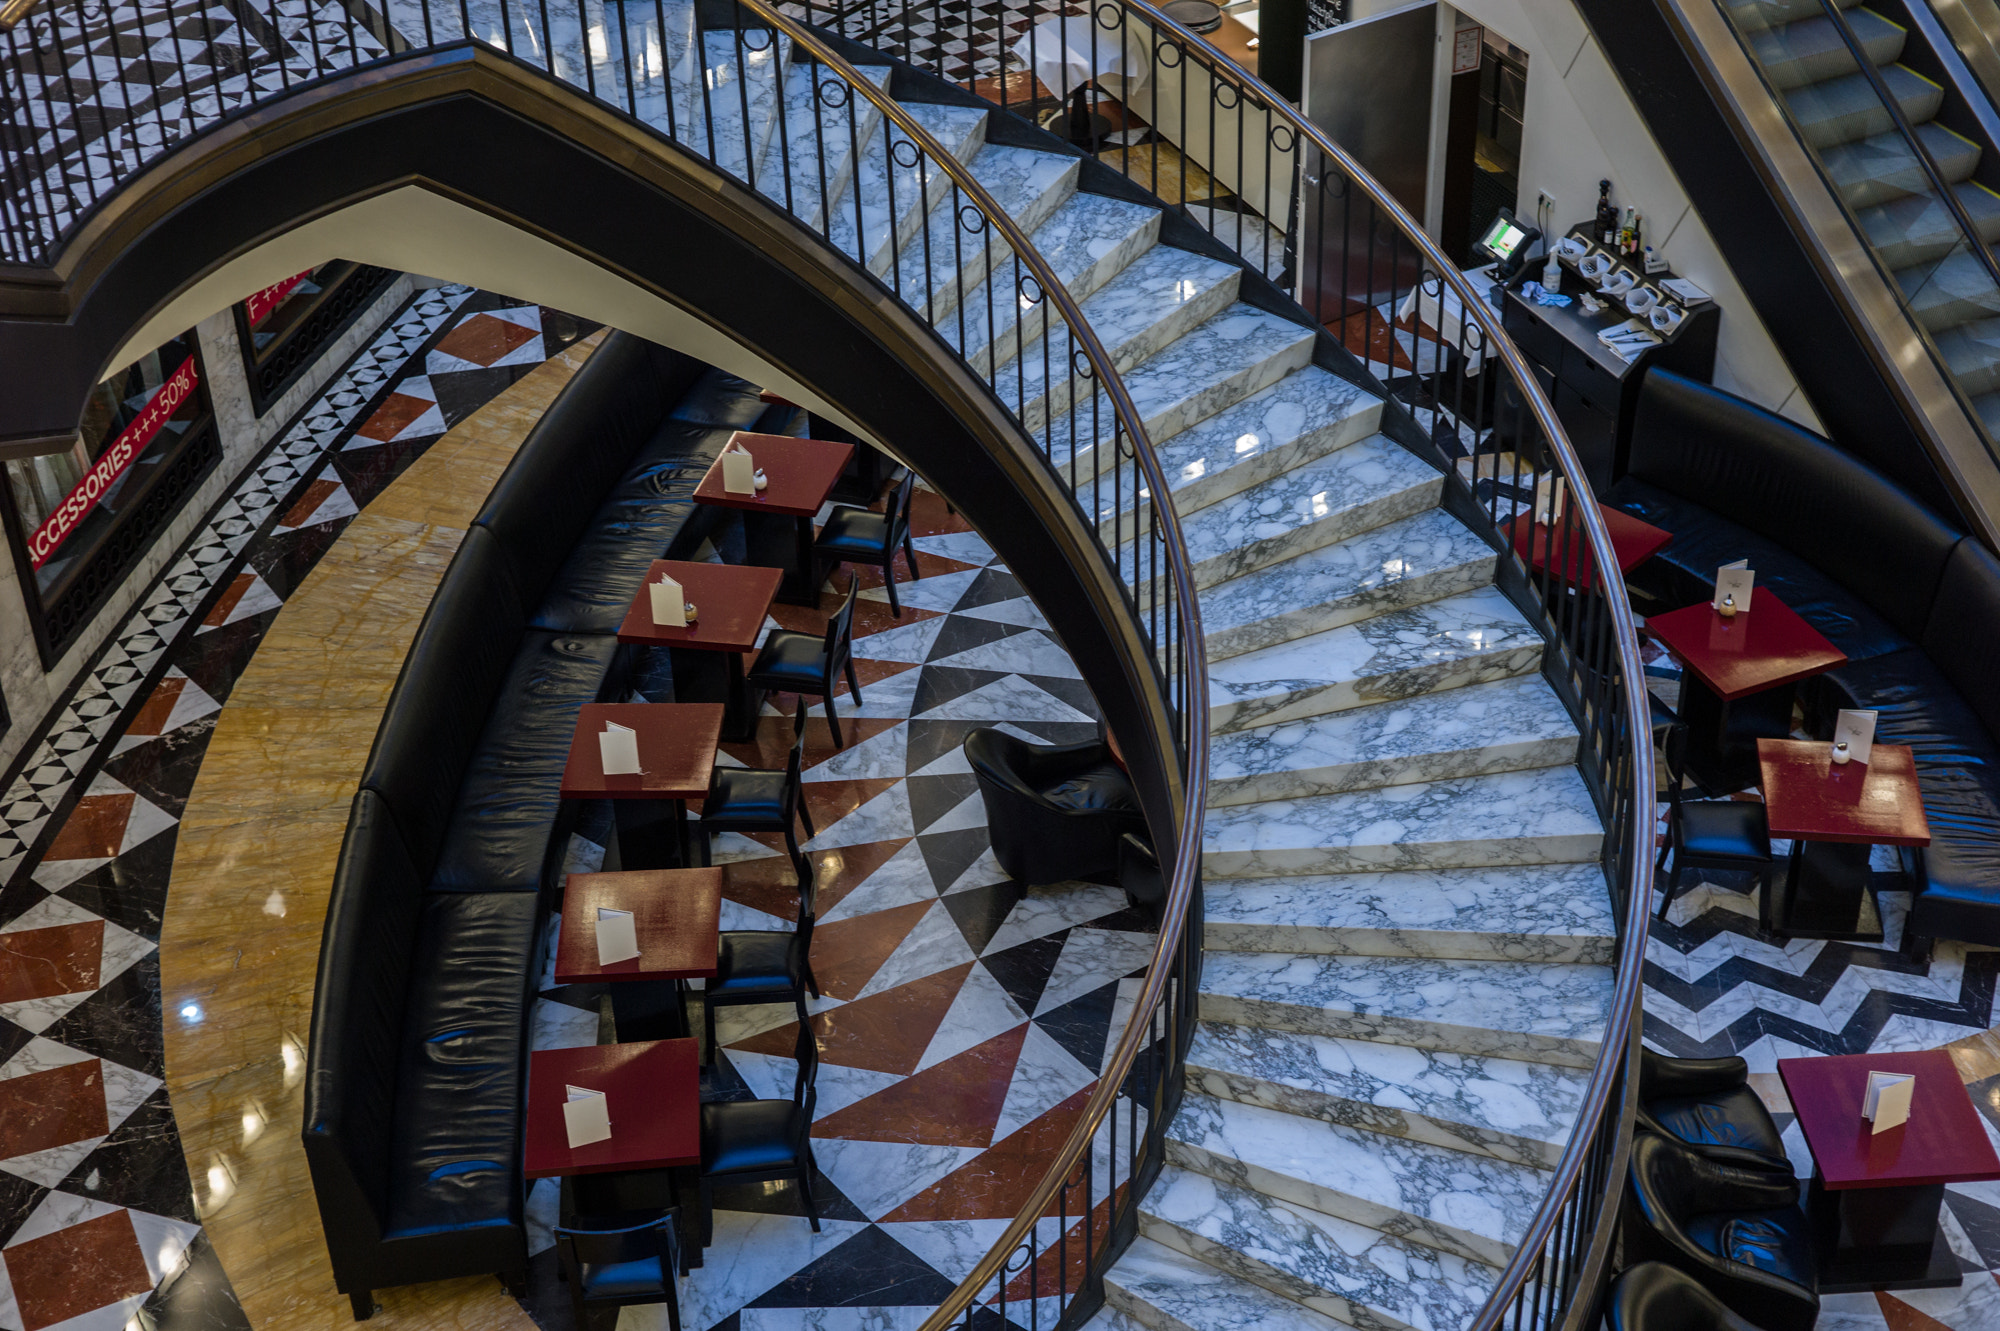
point(1827, 891)
point(776, 540)
point(701, 676)
point(1722, 736)
point(1880, 1238)
point(648, 834)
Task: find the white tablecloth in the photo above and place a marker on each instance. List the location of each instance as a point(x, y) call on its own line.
point(1060, 52)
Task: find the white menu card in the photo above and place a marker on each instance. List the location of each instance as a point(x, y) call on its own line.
point(1734, 580)
point(586, 1116)
point(1887, 1103)
point(618, 748)
point(1858, 729)
point(1551, 499)
point(617, 936)
point(739, 471)
point(669, 602)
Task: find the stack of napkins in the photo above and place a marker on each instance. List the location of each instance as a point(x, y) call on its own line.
point(1629, 338)
point(1685, 291)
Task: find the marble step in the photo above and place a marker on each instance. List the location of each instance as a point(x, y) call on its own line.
point(1404, 564)
point(1306, 415)
point(862, 225)
point(1811, 49)
point(1919, 228)
point(1162, 1289)
point(1351, 490)
point(1545, 1012)
point(1473, 1205)
point(1972, 352)
point(943, 252)
point(1158, 298)
point(1445, 644)
point(662, 64)
point(1353, 1274)
point(1088, 240)
point(745, 74)
point(1508, 1108)
point(1542, 816)
point(1845, 109)
point(1882, 167)
point(814, 140)
point(1955, 290)
point(1112, 1317)
point(1505, 726)
point(1237, 353)
point(1523, 912)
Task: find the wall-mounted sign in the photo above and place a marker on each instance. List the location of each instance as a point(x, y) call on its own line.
point(261, 303)
point(1466, 44)
point(112, 463)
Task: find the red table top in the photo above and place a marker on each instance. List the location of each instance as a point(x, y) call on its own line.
point(1942, 1142)
point(1761, 648)
point(801, 474)
point(775, 399)
point(1806, 797)
point(1566, 551)
point(676, 751)
point(731, 601)
point(652, 1090)
point(677, 914)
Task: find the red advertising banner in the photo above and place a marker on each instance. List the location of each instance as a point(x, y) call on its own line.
point(263, 302)
point(111, 464)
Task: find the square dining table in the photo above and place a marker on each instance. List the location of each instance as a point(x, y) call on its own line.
point(1833, 814)
point(866, 473)
point(677, 745)
point(731, 602)
point(1564, 551)
point(1875, 1196)
point(778, 520)
point(652, 1092)
point(1738, 681)
point(676, 914)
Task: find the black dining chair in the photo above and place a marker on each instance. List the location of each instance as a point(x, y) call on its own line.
point(755, 1141)
point(856, 536)
point(1710, 834)
point(617, 1268)
point(754, 799)
point(811, 665)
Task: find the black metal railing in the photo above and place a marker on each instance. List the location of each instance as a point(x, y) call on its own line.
point(859, 170)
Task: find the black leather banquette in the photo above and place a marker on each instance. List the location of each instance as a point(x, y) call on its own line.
point(1911, 601)
point(415, 1071)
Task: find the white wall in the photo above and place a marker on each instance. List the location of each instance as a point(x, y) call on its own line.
point(1581, 128)
point(29, 690)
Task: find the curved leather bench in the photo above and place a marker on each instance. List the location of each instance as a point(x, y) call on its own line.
point(1914, 604)
point(416, 1068)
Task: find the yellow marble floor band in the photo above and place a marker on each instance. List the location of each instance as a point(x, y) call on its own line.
point(239, 944)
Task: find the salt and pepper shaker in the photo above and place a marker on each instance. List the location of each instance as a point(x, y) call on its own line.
point(1841, 754)
point(762, 479)
point(687, 608)
point(1728, 607)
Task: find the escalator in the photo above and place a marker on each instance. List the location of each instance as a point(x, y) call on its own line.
point(1869, 127)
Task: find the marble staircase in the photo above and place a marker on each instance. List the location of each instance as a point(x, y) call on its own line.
point(1408, 950)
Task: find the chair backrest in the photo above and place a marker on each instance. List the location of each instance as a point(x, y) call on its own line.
point(655, 1238)
point(840, 633)
point(806, 1050)
point(795, 761)
point(1674, 750)
point(1654, 1296)
point(899, 510)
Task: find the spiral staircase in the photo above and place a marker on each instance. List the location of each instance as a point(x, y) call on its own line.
point(1408, 939)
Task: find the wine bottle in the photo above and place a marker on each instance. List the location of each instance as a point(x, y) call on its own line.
point(1607, 216)
point(1638, 245)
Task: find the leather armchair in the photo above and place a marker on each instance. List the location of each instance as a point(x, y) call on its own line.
point(1707, 1104)
point(1055, 811)
point(1740, 1232)
point(1653, 1296)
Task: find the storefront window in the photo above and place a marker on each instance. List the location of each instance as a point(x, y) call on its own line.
point(286, 326)
point(81, 516)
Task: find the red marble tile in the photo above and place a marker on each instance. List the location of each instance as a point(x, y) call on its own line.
point(931, 566)
point(847, 953)
point(309, 502)
point(159, 705)
point(870, 617)
point(1061, 1265)
point(885, 1032)
point(218, 614)
point(95, 829)
point(931, 516)
point(770, 885)
point(995, 1184)
point(41, 963)
point(955, 1103)
point(394, 416)
point(1902, 1317)
point(39, 1110)
point(483, 339)
point(62, 1275)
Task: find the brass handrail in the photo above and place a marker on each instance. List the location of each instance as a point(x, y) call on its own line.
point(13, 11)
point(1608, 1074)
